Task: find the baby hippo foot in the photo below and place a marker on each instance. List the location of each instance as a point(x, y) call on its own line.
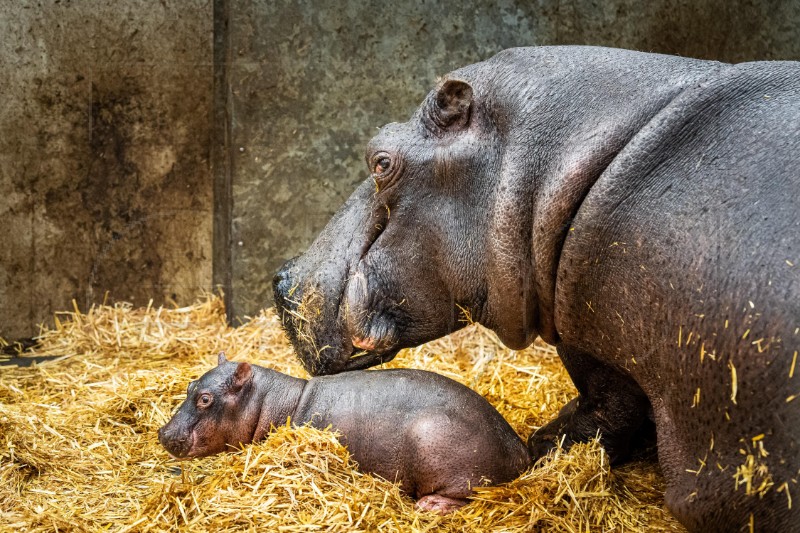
point(436, 503)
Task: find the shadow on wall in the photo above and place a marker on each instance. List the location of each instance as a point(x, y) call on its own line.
point(721, 30)
point(104, 168)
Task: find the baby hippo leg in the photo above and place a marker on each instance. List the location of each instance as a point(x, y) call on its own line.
point(436, 503)
point(448, 456)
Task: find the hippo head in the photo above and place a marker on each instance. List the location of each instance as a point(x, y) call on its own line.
point(404, 260)
point(219, 413)
point(465, 210)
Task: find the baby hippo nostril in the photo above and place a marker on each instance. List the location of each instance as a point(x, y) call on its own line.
point(163, 437)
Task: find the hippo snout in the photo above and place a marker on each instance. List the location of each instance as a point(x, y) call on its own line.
point(305, 304)
point(175, 440)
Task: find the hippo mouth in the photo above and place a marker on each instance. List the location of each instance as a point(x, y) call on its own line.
point(373, 339)
point(356, 352)
point(359, 360)
point(356, 338)
point(176, 458)
point(337, 311)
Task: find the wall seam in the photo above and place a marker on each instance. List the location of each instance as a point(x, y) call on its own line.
point(221, 158)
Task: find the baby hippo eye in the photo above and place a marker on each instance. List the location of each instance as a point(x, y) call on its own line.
point(382, 164)
point(204, 400)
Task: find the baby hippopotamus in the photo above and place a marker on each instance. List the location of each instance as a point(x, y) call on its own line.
point(435, 436)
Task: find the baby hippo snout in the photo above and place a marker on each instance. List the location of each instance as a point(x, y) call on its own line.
point(175, 439)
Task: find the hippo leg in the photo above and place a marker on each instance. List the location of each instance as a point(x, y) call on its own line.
point(436, 503)
point(448, 456)
point(609, 403)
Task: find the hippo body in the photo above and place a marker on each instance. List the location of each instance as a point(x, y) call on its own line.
point(434, 436)
point(640, 212)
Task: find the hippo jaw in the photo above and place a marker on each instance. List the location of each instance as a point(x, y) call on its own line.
point(356, 339)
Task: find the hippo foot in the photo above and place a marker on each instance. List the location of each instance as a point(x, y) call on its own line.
point(610, 405)
point(554, 434)
point(436, 503)
point(621, 437)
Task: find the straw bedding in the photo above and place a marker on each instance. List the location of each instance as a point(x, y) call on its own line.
point(79, 452)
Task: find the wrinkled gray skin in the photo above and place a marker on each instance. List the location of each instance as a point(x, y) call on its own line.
point(434, 436)
point(641, 212)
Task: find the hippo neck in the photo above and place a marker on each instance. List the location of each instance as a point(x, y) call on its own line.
point(557, 200)
point(547, 177)
point(278, 398)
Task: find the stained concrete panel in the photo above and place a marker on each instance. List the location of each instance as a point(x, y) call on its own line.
point(310, 82)
point(309, 88)
point(105, 123)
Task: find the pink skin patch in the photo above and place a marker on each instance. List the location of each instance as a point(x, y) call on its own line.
point(436, 503)
point(367, 344)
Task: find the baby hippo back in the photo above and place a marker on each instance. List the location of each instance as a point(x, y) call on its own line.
point(428, 432)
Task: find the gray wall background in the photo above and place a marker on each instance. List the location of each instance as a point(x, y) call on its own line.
point(105, 183)
point(157, 148)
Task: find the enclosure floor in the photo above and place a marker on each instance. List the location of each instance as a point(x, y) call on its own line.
point(78, 445)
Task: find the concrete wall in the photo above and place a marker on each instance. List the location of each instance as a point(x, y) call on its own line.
point(310, 83)
point(105, 185)
point(145, 142)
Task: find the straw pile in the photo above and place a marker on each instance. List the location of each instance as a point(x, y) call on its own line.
point(78, 446)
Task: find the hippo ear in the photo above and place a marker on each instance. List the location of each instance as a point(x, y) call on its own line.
point(452, 104)
point(243, 374)
point(221, 358)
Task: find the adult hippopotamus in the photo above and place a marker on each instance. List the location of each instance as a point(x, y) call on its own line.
point(435, 436)
point(641, 212)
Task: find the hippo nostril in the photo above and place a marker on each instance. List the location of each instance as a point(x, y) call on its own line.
point(282, 274)
point(282, 284)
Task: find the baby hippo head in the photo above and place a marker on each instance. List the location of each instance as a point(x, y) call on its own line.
point(219, 412)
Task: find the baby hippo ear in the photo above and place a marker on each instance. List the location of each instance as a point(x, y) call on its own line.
point(243, 374)
point(221, 358)
point(452, 105)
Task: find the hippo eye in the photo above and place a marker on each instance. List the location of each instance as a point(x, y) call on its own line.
point(204, 400)
point(382, 164)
